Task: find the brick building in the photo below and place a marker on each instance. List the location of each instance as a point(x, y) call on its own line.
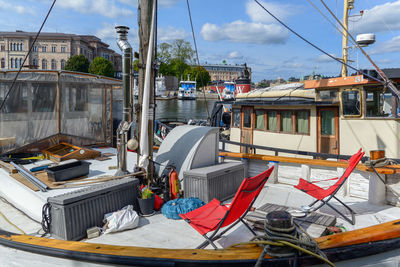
point(51, 50)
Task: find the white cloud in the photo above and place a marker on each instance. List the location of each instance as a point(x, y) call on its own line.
point(109, 35)
point(323, 58)
point(105, 8)
point(170, 34)
point(15, 8)
point(245, 32)
point(235, 55)
point(380, 18)
point(257, 14)
point(388, 47)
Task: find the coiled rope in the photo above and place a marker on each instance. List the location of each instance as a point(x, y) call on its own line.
point(275, 237)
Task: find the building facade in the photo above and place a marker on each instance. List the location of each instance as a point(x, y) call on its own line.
point(224, 72)
point(51, 50)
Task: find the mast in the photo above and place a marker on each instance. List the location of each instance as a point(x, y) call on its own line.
point(348, 4)
point(145, 18)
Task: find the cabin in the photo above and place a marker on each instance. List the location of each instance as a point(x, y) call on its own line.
point(334, 116)
point(43, 104)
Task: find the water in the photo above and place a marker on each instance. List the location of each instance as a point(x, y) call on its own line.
point(183, 110)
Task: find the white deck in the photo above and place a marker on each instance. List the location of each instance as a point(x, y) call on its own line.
point(157, 230)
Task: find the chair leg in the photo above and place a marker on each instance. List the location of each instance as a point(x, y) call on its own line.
point(205, 243)
point(352, 220)
point(248, 227)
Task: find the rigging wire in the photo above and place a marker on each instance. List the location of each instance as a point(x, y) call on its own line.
point(386, 81)
point(333, 24)
point(30, 50)
point(316, 47)
point(197, 57)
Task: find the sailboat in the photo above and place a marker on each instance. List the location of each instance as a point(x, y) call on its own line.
point(375, 240)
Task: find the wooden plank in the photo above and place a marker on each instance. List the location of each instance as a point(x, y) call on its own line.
point(8, 167)
point(379, 232)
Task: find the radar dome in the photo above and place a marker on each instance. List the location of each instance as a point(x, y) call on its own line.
point(365, 39)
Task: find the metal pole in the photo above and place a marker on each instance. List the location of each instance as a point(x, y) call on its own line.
point(123, 128)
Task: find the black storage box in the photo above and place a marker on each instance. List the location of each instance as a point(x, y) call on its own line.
point(68, 171)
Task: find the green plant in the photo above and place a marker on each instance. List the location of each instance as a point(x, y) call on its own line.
point(147, 193)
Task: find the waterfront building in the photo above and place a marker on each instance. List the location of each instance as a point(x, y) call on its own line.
point(225, 72)
point(51, 50)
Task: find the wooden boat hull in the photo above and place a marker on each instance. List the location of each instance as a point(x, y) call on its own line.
point(352, 245)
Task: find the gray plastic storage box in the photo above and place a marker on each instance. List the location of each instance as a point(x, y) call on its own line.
point(219, 181)
point(73, 213)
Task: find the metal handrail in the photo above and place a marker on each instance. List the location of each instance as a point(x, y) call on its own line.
point(315, 155)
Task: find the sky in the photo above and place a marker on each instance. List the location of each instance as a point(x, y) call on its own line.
point(238, 31)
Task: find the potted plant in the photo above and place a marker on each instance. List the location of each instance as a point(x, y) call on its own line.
point(146, 201)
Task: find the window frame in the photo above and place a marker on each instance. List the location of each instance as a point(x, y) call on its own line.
point(293, 121)
point(255, 119)
point(361, 101)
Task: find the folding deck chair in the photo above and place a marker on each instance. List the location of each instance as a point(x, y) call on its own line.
point(324, 195)
point(213, 216)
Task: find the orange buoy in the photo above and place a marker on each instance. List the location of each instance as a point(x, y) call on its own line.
point(173, 184)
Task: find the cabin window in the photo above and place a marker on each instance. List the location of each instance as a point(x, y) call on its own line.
point(247, 118)
point(331, 95)
point(272, 120)
point(260, 119)
point(327, 122)
point(351, 103)
point(236, 117)
point(378, 104)
point(302, 121)
point(44, 97)
point(286, 121)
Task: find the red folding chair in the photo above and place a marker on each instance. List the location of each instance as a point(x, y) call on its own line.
point(213, 216)
point(324, 195)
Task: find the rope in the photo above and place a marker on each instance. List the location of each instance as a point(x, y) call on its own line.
point(316, 47)
point(7, 220)
point(197, 56)
point(46, 218)
point(298, 240)
point(30, 50)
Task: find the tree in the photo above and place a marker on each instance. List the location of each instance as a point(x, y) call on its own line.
point(77, 63)
point(102, 66)
point(181, 49)
point(200, 74)
point(135, 65)
point(164, 52)
point(175, 58)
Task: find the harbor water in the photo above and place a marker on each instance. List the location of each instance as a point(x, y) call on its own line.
point(184, 110)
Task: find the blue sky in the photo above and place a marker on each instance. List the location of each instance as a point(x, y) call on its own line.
point(235, 30)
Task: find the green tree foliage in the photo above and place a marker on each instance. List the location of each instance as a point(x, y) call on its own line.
point(135, 65)
point(102, 66)
point(175, 58)
point(77, 63)
point(198, 73)
point(182, 50)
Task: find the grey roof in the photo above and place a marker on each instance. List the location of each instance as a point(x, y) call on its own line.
point(392, 73)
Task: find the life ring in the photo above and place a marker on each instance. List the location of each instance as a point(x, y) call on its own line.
point(163, 132)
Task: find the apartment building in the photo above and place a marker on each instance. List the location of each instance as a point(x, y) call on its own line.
point(51, 50)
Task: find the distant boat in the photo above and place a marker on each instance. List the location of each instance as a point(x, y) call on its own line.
point(187, 90)
point(228, 92)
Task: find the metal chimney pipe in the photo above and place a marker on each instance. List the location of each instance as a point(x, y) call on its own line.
point(123, 128)
point(126, 49)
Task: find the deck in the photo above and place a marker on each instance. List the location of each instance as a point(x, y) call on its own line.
point(18, 201)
